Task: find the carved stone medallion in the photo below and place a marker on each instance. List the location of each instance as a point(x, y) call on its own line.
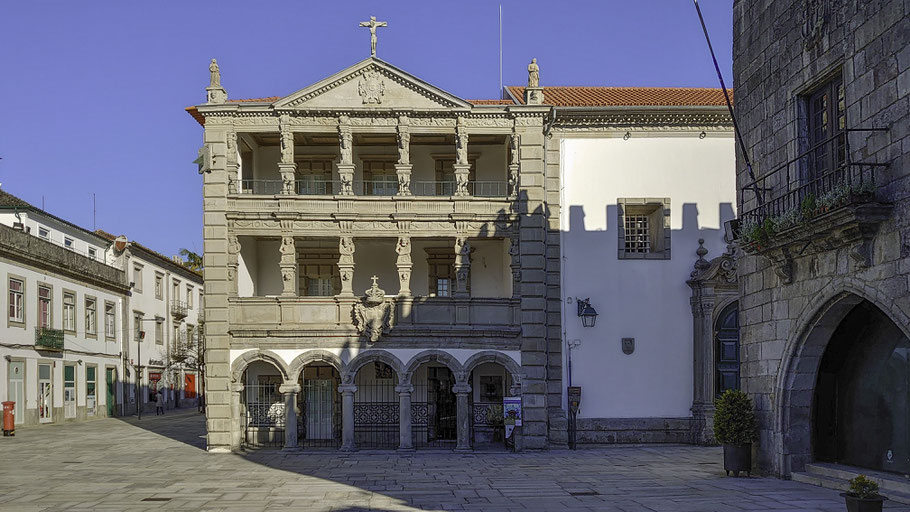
point(371, 88)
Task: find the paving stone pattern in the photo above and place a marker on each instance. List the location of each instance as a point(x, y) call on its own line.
point(115, 464)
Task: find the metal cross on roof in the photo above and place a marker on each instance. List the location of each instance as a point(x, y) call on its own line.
point(373, 25)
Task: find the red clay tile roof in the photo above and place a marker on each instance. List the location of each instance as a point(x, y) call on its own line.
point(627, 96)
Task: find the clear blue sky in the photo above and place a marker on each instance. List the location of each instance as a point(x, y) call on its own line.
point(92, 93)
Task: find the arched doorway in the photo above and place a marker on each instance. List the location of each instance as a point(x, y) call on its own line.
point(490, 383)
point(263, 412)
point(726, 349)
point(433, 407)
point(861, 407)
point(319, 403)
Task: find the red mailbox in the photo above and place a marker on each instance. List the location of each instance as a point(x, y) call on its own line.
point(9, 418)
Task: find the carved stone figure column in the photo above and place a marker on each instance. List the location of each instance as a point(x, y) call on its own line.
point(513, 165)
point(290, 390)
point(236, 415)
point(287, 168)
point(462, 417)
point(288, 264)
point(405, 439)
point(346, 264)
point(403, 248)
point(533, 92)
point(515, 265)
point(347, 417)
point(462, 164)
point(233, 262)
point(403, 167)
point(346, 164)
point(233, 164)
point(462, 267)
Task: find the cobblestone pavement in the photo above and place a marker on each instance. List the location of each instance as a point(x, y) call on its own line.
point(159, 463)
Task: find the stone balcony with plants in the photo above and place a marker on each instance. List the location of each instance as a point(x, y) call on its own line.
point(817, 201)
point(48, 339)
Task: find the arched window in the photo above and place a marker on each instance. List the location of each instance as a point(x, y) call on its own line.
point(726, 349)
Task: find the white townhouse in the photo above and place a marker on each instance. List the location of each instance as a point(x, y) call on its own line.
point(164, 325)
point(61, 338)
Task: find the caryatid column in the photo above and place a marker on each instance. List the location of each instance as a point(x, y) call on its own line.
point(462, 417)
point(515, 265)
point(290, 390)
point(346, 264)
point(405, 438)
point(346, 163)
point(237, 429)
point(347, 416)
point(513, 165)
point(233, 164)
point(403, 248)
point(287, 168)
point(462, 164)
point(403, 167)
point(288, 264)
point(462, 266)
point(233, 263)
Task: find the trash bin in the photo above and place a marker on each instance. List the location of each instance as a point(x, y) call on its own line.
point(9, 418)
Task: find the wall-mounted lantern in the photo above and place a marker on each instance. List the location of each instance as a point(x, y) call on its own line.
point(587, 313)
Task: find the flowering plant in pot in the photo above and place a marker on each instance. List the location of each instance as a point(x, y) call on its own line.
point(734, 428)
point(863, 495)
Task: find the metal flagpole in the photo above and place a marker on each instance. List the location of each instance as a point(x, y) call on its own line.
point(501, 92)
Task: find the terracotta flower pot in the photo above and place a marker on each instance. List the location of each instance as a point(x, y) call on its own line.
point(738, 458)
point(855, 504)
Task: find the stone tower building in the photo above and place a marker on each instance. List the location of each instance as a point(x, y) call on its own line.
point(822, 99)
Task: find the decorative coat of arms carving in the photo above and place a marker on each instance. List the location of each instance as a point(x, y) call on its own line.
point(373, 314)
point(371, 88)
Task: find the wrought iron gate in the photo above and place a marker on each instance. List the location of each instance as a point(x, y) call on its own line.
point(320, 418)
point(263, 416)
point(376, 415)
point(434, 414)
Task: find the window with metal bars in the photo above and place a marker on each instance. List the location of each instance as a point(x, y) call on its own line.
point(644, 228)
point(638, 234)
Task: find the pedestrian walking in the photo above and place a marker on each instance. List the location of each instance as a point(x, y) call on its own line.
point(159, 403)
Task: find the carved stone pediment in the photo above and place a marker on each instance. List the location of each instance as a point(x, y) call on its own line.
point(373, 314)
point(369, 84)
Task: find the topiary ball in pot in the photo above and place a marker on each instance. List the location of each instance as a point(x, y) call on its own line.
point(734, 428)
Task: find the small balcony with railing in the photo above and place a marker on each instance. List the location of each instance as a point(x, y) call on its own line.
point(178, 309)
point(48, 339)
point(823, 196)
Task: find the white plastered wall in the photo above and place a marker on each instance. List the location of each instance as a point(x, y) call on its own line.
point(643, 299)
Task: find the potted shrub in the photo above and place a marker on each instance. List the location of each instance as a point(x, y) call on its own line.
point(734, 428)
point(863, 495)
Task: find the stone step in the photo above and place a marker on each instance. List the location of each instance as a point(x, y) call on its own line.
point(833, 476)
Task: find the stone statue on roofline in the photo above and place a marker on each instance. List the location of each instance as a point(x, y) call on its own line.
point(533, 74)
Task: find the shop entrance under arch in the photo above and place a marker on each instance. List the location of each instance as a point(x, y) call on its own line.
point(861, 407)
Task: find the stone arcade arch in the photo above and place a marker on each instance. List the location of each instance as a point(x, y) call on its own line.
point(486, 427)
point(262, 410)
point(799, 369)
point(370, 407)
point(318, 374)
point(432, 415)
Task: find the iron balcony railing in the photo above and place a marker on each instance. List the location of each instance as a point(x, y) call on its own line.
point(178, 308)
point(378, 187)
point(820, 179)
point(47, 338)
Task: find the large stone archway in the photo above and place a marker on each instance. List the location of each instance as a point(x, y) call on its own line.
point(240, 364)
point(799, 370)
point(438, 356)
